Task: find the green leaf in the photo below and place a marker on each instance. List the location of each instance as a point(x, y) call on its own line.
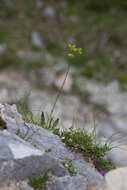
point(55, 123)
point(18, 132)
point(42, 119)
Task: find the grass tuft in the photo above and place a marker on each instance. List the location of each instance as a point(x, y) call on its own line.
point(79, 141)
point(82, 142)
point(39, 182)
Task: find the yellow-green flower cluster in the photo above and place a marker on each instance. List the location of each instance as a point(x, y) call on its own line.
point(74, 50)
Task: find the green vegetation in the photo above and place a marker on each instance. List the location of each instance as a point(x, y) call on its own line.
point(39, 182)
point(101, 5)
point(82, 142)
point(48, 150)
point(9, 59)
point(74, 50)
point(79, 141)
point(98, 27)
point(71, 166)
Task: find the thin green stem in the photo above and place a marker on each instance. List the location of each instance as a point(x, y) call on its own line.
point(58, 95)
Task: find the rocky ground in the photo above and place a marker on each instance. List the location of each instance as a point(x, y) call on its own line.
point(34, 40)
point(24, 158)
point(105, 104)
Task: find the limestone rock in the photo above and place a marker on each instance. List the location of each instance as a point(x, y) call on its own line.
point(20, 160)
point(49, 12)
point(118, 155)
point(114, 180)
point(36, 40)
point(13, 185)
point(68, 183)
point(25, 153)
point(10, 113)
point(2, 48)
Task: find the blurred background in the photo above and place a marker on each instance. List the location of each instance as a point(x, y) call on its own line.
point(34, 38)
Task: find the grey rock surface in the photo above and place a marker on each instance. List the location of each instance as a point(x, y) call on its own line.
point(14, 185)
point(28, 157)
point(36, 40)
point(84, 169)
point(49, 12)
point(68, 183)
point(114, 180)
point(20, 160)
point(69, 108)
point(2, 48)
point(8, 3)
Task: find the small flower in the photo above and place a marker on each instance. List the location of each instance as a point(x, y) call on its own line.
point(70, 55)
point(74, 50)
point(102, 172)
